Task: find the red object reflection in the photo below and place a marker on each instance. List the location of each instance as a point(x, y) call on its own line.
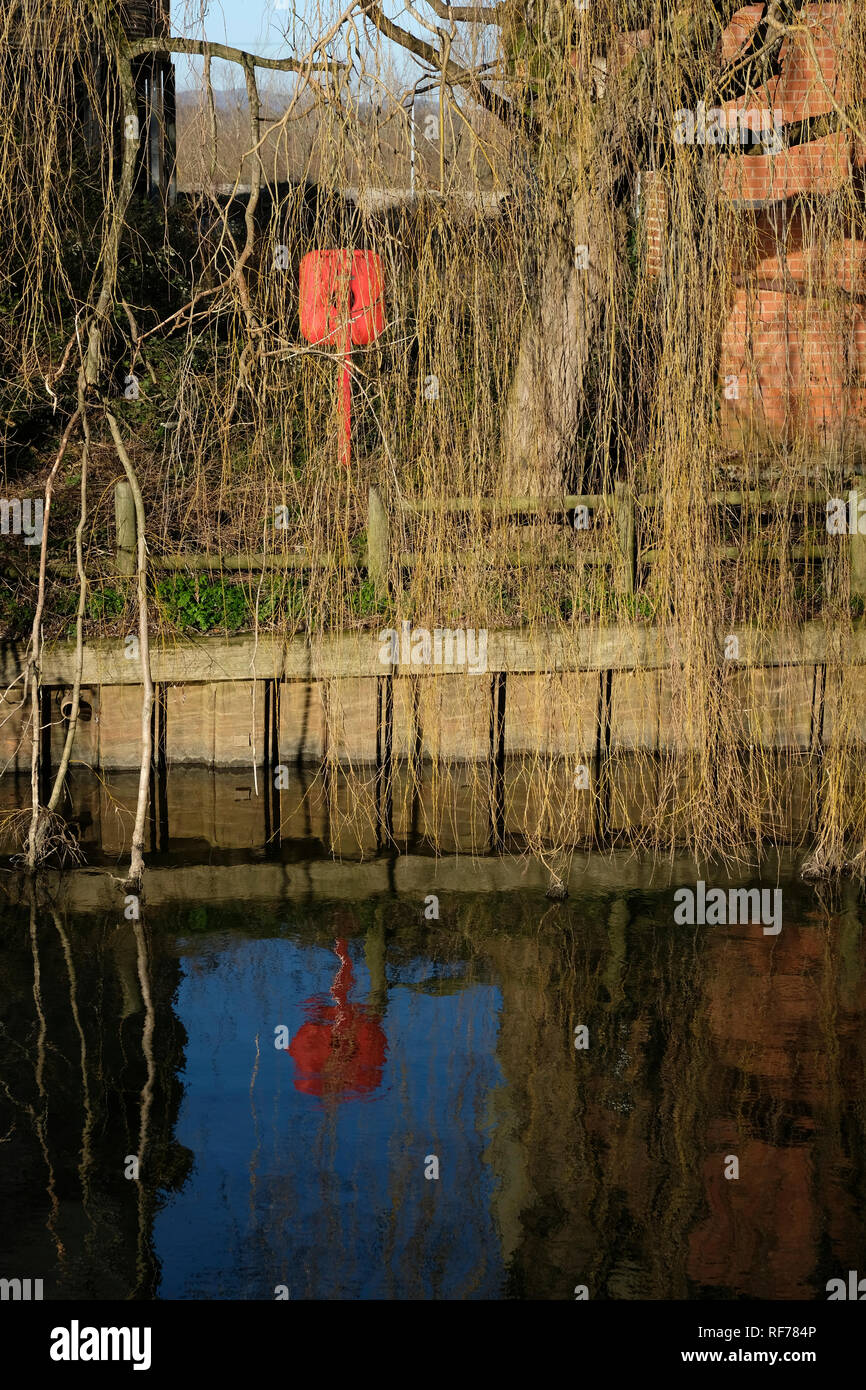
point(340, 1050)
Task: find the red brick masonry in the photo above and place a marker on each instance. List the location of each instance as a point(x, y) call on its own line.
point(793, 348)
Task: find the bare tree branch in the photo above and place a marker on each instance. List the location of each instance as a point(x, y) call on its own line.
point(505, 111)
point(473, 14)
point(255, 189)
point(203, 47)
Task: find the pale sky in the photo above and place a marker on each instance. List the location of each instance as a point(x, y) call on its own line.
point(260, 26)
point(256, 25)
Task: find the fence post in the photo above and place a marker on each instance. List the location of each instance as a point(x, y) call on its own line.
point(124, 521)
point(624, 516)
point(378, 543)
point(857, 544)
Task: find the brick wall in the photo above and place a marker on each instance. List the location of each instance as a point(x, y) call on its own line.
point(821, 166)
point(654, 208)
point(793, 347)
point(792, 363)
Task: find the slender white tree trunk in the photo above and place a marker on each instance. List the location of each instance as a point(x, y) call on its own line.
point(136, 863)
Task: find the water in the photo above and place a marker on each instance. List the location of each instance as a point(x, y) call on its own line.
point(417, 1045)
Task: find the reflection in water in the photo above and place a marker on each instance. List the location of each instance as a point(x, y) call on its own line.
point(557, 1166)
point(340, 1050)
point(90, 1052)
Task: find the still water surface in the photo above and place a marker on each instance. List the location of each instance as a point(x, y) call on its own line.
point(408, 1045)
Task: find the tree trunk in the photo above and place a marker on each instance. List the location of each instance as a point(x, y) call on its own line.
point(559, 333)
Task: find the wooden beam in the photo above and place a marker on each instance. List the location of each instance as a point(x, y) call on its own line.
point(507, 506)
point(125, 527)
point(378, 543)
point(240, 658)
point(275, 559)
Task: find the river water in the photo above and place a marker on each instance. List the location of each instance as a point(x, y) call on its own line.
point(329, 1091)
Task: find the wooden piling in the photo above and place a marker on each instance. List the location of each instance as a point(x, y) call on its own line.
point(124, 520)
point(378, 543)
point(625, 535)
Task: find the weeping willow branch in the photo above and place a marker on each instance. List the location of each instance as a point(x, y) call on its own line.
point(474, 14)
point(122, 197)
point(255, 189)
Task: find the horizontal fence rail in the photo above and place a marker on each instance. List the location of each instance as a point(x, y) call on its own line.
point(626, 555)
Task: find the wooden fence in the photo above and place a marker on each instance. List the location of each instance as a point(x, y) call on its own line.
point(627, 558)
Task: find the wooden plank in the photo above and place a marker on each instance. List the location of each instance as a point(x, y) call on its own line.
point(209, 659)
point(552, 715)
point(751, 497)
point(125, 528)
point(358, 654)
point(625, 530)
point(448, 718)
point(352, 716)
point(771, 707)
point(547, 553)
point(190, 724)
point(508, 506)
point(302, 722)
point(275, 559)
point(15, 741)
point(378, 543)
point(119, 726)
point(453, 717)
point(810, 550)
